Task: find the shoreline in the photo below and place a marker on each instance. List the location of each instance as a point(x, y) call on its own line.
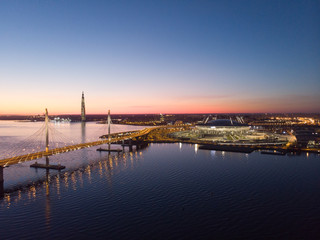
point(246, 148)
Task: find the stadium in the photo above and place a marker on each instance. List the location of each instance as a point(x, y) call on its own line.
point(229, 131)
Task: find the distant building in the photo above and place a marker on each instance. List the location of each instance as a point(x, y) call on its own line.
point(161, 117)
point(306, 137)
point(83, 109)
point(178, 122)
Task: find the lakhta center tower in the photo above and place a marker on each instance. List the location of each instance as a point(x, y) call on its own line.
point(83, 109)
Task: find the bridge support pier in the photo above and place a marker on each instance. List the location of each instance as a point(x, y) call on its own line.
point(47, 165)
point(127, 145)
point(130, 145)
point(1, 174)
point(1, 182)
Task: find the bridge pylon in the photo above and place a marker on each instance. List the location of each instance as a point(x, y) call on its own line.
point(109, 150)
point(47, 165)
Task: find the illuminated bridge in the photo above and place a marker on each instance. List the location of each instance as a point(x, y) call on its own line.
point(43, 151)
point(116, 137)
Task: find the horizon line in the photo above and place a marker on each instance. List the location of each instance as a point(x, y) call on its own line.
point(218, 113)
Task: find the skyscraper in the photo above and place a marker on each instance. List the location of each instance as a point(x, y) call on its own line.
point(83, 109)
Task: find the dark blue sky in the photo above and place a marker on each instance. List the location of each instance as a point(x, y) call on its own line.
point(160, 56)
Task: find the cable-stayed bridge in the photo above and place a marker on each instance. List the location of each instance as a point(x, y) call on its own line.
point(46, 151)
point(116, 137)
point(46, 147)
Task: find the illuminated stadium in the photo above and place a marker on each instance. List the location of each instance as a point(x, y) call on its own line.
point(229, 131)
point(221, 127)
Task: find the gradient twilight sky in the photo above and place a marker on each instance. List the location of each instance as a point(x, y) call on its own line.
point(169, 56)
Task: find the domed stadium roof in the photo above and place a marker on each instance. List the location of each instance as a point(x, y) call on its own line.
point(223, 123)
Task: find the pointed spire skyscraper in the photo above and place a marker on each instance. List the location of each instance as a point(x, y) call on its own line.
point(83, 109)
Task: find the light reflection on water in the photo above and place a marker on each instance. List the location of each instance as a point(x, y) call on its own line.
point(74, 179)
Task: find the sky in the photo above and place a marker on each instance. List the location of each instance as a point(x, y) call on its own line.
point(166, 56)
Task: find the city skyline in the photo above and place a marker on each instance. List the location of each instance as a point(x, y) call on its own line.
point(140, 57)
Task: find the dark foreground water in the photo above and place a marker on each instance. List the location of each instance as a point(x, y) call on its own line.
point(166, 191)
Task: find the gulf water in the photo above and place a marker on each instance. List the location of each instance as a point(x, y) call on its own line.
point(165, 191)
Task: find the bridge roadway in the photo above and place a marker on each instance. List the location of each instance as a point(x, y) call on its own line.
point(115, 137)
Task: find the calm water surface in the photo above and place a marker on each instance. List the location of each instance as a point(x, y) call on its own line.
point(165, 191)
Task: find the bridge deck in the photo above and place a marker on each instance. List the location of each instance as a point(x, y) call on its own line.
point(32, 156)
point(116, 137)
